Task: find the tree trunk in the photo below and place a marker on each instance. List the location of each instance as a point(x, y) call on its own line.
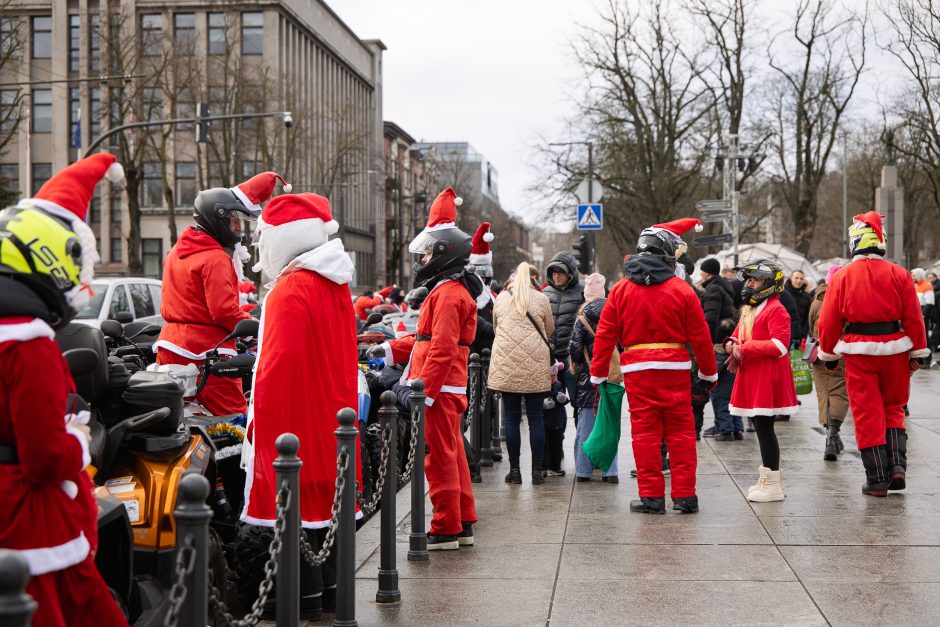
point(169, 202)
point(132, 177)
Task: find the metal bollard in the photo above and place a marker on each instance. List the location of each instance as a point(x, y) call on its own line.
point(496, 408)
point(486, 412)
point(388, 571)
point(417, 539)
point(346, 533)
point(192, 521)
point(287, 468)
point(473, 407)
point(16, 606)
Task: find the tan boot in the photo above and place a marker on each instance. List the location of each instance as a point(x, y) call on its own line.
point(769, 488)
point(763, 470)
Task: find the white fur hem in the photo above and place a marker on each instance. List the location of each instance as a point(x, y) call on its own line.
point(780, 347)
point(823, 355)
point(182, 352)
point(921, 352)
point(710, 378)
point(481, 260)
point(306, 524)
point(656, 365)
point(251, 206)
point(78, 435)
point(762, 411)
point(389, 359)
point(55, 558)
point(25, 331)
point(893, 347)
point(598, 380)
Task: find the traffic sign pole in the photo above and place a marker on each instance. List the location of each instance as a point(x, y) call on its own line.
point(591, 241)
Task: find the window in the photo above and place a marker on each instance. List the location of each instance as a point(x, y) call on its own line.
point(42, 37)
point(152, 185)
point(94, 44)
point(250, 168)
point(74, 42)
point(184, 33)
point(252, 33)
point(75, 123)
point(185, 183)
point(94, 122)
point(10, 177)
point(217, 33)
point(9, 109)
point(156, 294)
point(119, 302)
point(9, 37)
point(117, 250)
point(94, 209)
point(153, 103)
point(42, 110)
point(117, 205)
point(151, 27)
point(42, 172)
point(152, 258)
point(140, 295)
point(216, 175)
point(185, 107)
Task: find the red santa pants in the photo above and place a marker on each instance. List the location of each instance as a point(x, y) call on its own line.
point(878, 389)
point(76, 596)
point(661, 407)
point(221, 396)
point(446, 467)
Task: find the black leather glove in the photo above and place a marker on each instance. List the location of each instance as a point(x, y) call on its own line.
point(832, 365)
point(377, 352)
point(702, 388)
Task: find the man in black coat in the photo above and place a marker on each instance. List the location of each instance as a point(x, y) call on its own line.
point(729, 275)
point(718, 300)
point(803, 298)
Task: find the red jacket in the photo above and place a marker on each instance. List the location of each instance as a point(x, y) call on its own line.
point(48, 508)
point(449, 318)
point(662, 313)
point(200, 297)
point(871, 290)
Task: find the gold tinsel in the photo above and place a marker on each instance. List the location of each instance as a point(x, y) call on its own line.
point(224, 428)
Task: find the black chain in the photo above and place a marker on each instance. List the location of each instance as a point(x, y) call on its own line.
point(185, 562)
point(373, 504)
point(306, 550)
point(410, 462)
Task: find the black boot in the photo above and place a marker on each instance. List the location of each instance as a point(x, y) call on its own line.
point(897, 457)
point(514, 475)
point(835, 425)
point(877, 471)
point(832, 447)
point(645, 505)
point(686, 504)
point(538, 478)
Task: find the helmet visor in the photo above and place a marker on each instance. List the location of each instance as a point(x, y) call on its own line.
point(422, 242)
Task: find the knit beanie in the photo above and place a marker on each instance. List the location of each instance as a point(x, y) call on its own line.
point(711, 266)
point(594, 287)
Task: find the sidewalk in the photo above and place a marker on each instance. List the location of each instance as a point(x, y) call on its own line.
point(572, 554)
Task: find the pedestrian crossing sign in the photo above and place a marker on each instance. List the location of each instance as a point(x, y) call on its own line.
point(590, 217)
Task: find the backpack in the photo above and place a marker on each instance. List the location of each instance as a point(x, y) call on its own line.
point(614, 375)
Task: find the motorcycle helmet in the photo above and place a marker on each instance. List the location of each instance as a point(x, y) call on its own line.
point(449, 247)
point(39, 251)
point(213, 210)
point(416, 297)
point(867, 235)
point(769, 272)
point(654, 241)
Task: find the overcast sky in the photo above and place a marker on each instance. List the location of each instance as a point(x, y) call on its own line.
point(495, 73)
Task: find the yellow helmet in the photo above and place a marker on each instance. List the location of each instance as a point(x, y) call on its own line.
point(40, 251)
point(867, 234)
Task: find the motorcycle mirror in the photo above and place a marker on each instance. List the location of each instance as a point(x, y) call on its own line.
point(112, 329)
point(374, 318)
point(246, 328)
point(124, 317)
point(81, 361)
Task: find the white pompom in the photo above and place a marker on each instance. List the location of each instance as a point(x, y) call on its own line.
point(698, 228)
point(458, 201)
point(115, 172)
point(488, 237)
point(288, 188)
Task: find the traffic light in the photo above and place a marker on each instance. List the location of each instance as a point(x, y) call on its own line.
point(582, 253)
point(202, 128)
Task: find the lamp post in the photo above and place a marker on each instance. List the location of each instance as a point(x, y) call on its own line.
point(590, 198)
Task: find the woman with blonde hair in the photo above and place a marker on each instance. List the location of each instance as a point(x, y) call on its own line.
point(520, 365)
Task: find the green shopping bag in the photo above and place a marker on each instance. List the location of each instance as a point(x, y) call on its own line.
point(601, 446)
point(802, 372)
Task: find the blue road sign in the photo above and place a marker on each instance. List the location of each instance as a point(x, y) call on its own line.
point(590, 217)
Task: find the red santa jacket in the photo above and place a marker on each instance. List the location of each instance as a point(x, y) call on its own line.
point(200, 297)
point(665, 313)
point(440, 349)
point(48, 509)
point(764, 382)
point(870, 289)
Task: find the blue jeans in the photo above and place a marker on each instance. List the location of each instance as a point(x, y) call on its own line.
point(724, 421)
point(512, 417)
point(583, 465)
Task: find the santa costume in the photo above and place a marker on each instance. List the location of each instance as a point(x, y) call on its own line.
point(438, 354)
point(48, 511)
point(653, 314)
point(200, 286)
point(872, 318)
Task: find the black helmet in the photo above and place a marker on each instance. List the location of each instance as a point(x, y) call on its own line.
point(768, 271)
point(416, 297)
point(214, 207)
point(450, 251)
point(653, 241)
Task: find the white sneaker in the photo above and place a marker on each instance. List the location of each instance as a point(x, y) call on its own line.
point(769, 488)
point(762, 470)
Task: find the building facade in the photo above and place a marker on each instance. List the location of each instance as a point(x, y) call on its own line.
point(172, 59)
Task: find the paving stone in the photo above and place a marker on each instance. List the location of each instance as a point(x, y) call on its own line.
point(854, 530)
point(673, 528)
point(877, 603)
point(864, 564)
point(482, 561)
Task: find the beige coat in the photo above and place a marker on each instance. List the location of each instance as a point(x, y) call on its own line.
point(520, 361)
point(831, 394)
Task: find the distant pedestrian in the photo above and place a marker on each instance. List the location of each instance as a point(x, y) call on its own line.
point(729, 275)
point(831, 394)
point(520, 365)
point(797, 287)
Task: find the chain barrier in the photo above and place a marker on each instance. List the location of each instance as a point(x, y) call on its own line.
point(410, 462)
point(472, 387)
point(217, 605)
point(306, 550)
point(185, 561)
point(368, 508)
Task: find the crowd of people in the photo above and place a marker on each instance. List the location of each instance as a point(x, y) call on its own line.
point(557, 341)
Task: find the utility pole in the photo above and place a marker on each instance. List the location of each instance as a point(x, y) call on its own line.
point(845, 198)
point(731, 193)
point(593, 253)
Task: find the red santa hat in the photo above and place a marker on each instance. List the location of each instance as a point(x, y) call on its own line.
point(292, 224)
point(401, 330)
point(874, 220)
point(246, 287)
point(481, 254)
point(681, 226)
point(259, 189)
point(67, 196)
point(385, 292)
point(443, 215)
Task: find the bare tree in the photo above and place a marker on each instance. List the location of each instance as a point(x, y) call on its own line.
point(816, 77)
point(11, 47)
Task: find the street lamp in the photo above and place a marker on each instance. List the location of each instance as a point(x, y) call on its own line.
point(590, 199)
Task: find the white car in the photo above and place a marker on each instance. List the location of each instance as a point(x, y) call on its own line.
point(124, 299)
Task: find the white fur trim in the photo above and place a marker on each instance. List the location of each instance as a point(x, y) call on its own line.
point(25, 331)
point(428, 401)
point(55, 558)
point(823, 355)
point(331, 261)
point(388, 353)
point(710, 378)
point(893, 347)
point(278, 245)
point(488, 237)
point(182, 352)
point(115, 172)
point(656, 365)
point(458, 201)
point(780, 347)
point(315, 524)
point(921, 352)
point(699, 228)
point(453, 389)
point(440, 227)
point(251, 206)
point(598, 380)
point(287, 188)
point(481, 260)
point(83, 443)
point(228, 451)
point(70, 488)
point(762, 411)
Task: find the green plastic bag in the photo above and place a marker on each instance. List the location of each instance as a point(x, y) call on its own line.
point(601, 445)
point(802, 373)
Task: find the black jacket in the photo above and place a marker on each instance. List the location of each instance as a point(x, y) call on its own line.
point(485, 333)
point(737, 285)
point(789, 303)
point(718, 303)
point(582, 340)
point(565, 303)
point(803, 298)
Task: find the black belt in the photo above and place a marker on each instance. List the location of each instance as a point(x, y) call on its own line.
point(8, 454)
point(421, 337)
point(873, 328)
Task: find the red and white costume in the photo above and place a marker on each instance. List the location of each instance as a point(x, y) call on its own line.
point(764, 385)
point(877, 370)
point(654, 323)
point(307, 357)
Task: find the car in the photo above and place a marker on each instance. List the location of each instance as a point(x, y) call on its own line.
point(124, 299)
